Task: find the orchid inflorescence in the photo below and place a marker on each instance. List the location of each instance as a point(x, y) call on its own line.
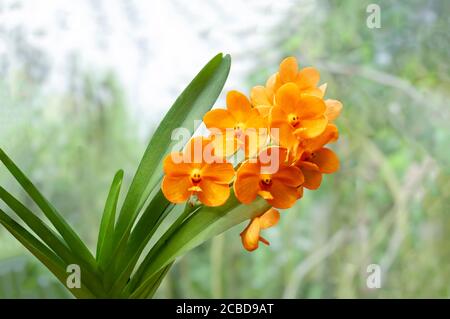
point(281, 131)
point(269, 148)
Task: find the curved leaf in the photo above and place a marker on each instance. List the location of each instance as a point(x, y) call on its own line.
point(69, 235)
point(105, 240)
point(41, 252)
point(204, 224)
point(191, 105)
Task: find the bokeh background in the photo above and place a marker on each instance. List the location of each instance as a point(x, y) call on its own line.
point(84, 83)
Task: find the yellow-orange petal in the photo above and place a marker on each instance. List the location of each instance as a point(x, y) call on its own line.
point(272, 158)
point(220, 119)
point(323, 89)
point(289, 175)
point(213, 194)
point(313, 177)
point(309, 106)
point(310, 128)
point(195, 189)
point(176, 189)
point(287, 97)
point(269, 218)
point(277, 114)
point(249, 168)
point(238, 105)
point(254, 140)
point(307, 78)
point(283, 196)
point(246, 185)
point(174, 165)
point(334, 108)
point(250, 235)
point(313, 91)
point(326, 160)
point(288, 70)
point(265, 194)
point(273, 83)
point(221, 173)
point(259, 97)
point(330, 135)
point(283, 134)
point(256, 121)
point(264, 110)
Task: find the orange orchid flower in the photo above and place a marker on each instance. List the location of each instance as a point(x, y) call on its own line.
point(194, 172)
point(270, 177)
point(251, 234)
point(306, 79)
point(296, 116)
point(237, 126)
point(316, 160)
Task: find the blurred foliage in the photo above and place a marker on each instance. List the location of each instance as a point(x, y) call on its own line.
point(62, 141)
point(389, 204)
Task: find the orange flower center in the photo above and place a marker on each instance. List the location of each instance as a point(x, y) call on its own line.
point(307, 156)
point(196, 176)
point(266, 180)
point(293, 120)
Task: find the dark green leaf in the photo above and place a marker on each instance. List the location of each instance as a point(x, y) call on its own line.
point(105, 235)
point(147, 225)
point(154, 283)
point(69, 235)
point(41, 252)
point(204, 224)
point(191, 105)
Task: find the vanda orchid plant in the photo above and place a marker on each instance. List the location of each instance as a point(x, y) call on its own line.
point(259, 155)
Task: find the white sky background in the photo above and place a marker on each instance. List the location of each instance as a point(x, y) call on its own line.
point(155, 47)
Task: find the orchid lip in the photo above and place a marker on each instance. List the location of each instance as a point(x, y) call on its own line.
point(266, 180)
point(293, 120)
point(196, 176)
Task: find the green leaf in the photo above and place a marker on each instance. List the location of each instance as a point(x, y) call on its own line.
point(154, 283)
point(106, 232)
point(191, 105)
point(204, 224)
point(147, 225)
point(37, 226)
point(41, 252)
point(69, 235)
point(184, 212)
point(52, 240)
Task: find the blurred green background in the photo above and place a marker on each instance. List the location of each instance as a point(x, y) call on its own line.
point(388, 205)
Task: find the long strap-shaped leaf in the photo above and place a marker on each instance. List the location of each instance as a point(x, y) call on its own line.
point(186, 211)
point(53, 241)
point(105, 235)
point(204, 224)
point(69, 235)
point(191, 105)
point(41, 252)
point(154, 283)
point(37, 226)
point(147, 225)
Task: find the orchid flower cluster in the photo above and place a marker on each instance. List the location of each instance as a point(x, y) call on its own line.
point(281, 132)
